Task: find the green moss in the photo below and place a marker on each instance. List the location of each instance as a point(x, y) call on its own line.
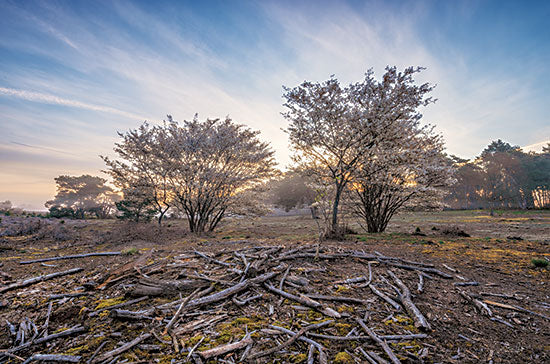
point(343, 358)
point(109, 302)
point(298, 358)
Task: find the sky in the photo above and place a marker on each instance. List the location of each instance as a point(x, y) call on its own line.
point(73, 73)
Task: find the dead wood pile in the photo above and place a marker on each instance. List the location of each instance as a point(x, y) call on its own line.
point(255, 304)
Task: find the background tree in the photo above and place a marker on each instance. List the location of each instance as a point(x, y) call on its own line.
point(137, 203)
point(82, 195)
point(143, 157)
point(211, 163)
point(334, 130)
point(291, 191)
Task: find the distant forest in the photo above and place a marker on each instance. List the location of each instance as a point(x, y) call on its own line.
point(502, 177)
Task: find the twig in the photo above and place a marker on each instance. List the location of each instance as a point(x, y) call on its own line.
point(384, 297)
point(222, 349)
point(54, 357)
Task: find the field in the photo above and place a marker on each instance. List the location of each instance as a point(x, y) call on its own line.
point(485, 296)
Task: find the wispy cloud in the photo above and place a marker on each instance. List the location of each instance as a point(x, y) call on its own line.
point(52, 99)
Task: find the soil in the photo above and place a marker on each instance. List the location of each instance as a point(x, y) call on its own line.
point(460, 333)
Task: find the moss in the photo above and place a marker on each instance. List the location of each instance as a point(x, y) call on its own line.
point(343, 358)
point(238, 327)
point(341, 328)
point(77, 350)
point(340, 288)
point(130, 251)
point(298, 358)
point(109, 302)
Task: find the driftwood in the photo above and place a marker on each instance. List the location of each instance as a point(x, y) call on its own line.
point(405, 297)
point(101, 254)
point(222, 349)
point(379, 341)
point(34, 280)
point(110, 354)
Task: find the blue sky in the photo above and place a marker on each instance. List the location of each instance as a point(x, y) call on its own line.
point(73, 73)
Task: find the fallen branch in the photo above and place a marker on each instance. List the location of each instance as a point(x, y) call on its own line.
point(54, 357)
point(481, 306)
point(304, 300)
point(379, 341)
point(290, 341)
point(34, 280)
point(515, 308)
point(69, 257)
point(405, 297)
point(384, 297)
point(72, 331)
point(110, 354)
point(222, 349)
point(319, 347)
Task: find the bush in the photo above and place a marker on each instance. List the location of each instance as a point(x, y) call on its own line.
point(540, 263)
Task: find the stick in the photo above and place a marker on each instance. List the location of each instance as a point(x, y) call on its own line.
point(210, 259)
point(97, 351)
point(222, 349)
point(34, 280)
point(379, 341)
point(108, 355)
point(319, 347)
point(290, 341)
point(74, 330)
point(405, 297)
point(310, 354)
point(420, 286)
point(54, 357)
point(304, 300)
point(481, 306)
point(70, 257)
point(384, 297)
point(338, 298)
point(179, 311)
point(218, 296)
point(47, 318)
point(516, 308)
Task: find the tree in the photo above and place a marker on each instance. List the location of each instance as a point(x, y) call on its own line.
point(291, 191)
point(5, 206)
point(143, 156)
point(82, 195)
point(211, 163)
point(334, 130)
point(413, 172)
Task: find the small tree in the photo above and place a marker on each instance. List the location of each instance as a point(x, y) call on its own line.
point(334, 130)
point(82, 195)
point(211, 163)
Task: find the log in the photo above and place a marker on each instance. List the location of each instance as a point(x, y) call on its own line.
point(379, 341)
point(227, 348)
point(101, 254)
point(34, 280)
point(405, 297)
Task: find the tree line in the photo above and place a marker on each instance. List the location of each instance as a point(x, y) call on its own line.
point(503, 176)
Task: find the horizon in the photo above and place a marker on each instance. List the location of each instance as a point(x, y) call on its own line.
point(75, 73)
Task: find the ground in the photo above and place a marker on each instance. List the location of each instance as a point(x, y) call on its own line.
point(499, 255)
